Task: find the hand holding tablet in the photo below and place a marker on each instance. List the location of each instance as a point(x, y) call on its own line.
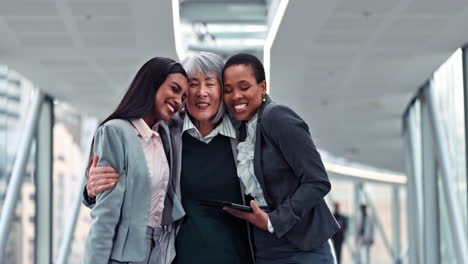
point(220, 204)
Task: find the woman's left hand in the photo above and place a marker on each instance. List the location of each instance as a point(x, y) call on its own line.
point(258, 217)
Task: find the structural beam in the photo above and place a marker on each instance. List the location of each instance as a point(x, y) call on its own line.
point(357, 200)
point(465, 92)
point(44, 184)
point(396, 222)
point(430, 191)
point(411, 190)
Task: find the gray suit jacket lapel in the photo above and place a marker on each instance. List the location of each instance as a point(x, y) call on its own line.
point(173, 209)
point(258, 158)
point(175, 126)
point(166, 141)
point(258, 145)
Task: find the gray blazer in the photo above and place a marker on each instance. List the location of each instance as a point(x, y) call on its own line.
point(120, 215)
point(292, 176)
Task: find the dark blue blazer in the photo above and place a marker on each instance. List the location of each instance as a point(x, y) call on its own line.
point(293, 177)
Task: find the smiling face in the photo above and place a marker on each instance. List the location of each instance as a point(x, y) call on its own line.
point(170, 96)
point(204, 97)
point(242, 94)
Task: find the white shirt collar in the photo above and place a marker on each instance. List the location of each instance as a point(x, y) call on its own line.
point(143, 129)
point(225, 128)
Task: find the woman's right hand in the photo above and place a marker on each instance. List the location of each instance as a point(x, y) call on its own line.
point(100, 179)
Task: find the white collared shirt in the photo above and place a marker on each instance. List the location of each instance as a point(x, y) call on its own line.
point(157, 165)
point(225, 128)
point(245, 166)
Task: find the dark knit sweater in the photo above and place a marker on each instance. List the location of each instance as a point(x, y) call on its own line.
point(210, 235)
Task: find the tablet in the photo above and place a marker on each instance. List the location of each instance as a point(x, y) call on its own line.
point(221, 204)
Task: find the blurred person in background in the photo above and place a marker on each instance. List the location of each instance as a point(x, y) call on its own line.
point(364, 234)
point(339, 236)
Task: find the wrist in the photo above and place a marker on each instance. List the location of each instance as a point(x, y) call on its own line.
point(270, 226)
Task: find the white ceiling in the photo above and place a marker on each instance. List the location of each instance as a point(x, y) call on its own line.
point(84, 52)
point(349, 67)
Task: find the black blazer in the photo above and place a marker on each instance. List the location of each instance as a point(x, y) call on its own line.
point(293, 178)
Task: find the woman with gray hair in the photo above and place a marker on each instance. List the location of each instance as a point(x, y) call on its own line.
point(204, 168)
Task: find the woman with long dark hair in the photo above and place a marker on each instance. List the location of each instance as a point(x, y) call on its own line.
point(128, 223)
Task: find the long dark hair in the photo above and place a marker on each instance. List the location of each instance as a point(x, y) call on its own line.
point(139, 98)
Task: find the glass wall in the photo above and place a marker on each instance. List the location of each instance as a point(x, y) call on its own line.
point(15, 97)
point(447, 84)
point(413, 146)
point(380, 199)
point(445, 89)
point(20, 246)
point(379, 202)
point(70, 128)
point(72, 131)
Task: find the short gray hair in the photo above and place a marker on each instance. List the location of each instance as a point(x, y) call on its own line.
point(208, 64)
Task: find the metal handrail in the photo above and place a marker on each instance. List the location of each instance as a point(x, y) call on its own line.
point(364, 175)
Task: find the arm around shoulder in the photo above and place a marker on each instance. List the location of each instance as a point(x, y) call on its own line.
point(109, 146)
